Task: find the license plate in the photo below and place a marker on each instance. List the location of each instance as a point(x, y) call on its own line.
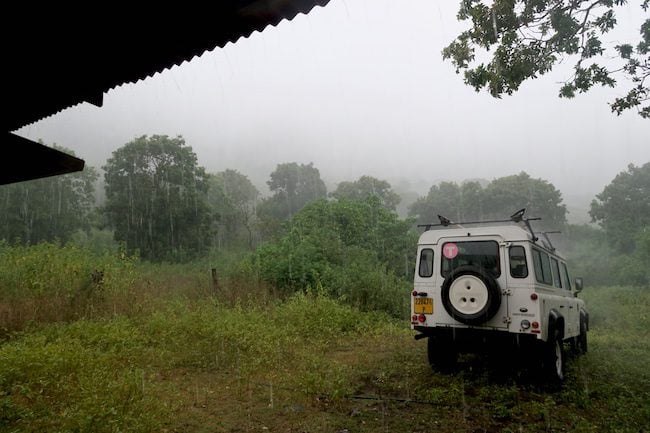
point(423, 306)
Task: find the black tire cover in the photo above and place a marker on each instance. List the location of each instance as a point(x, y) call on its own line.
point(493, 292)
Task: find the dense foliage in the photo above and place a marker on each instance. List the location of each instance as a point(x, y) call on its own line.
point(526, 39)
point(163, 207)
point(368, 186)
point(156, 198)
point(357, 250)
point(619, 251)
point(623, 208)
point(47, 209)
point(593, 256)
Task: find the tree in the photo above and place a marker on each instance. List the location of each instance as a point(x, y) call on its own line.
point(457, 202)
point(47, 209)
point(527, 38)
point(233, 199)
point(623, 207)
point(505, 195)
point(498, 200)
point(368, 186)
point(156, 198)
point(293, 186)
point(296, 185)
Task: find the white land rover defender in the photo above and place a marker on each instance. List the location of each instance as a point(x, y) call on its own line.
point(495, 284)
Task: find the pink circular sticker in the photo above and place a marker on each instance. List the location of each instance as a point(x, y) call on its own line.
point(450, 251)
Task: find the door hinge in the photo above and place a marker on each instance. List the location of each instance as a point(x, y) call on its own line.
point(506, 292)
point(507, 320)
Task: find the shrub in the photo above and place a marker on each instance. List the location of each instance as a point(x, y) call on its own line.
point(355, 250)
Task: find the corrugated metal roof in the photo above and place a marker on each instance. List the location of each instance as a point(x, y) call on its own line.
point(60, 57)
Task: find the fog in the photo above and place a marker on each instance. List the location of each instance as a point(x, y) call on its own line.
point(360, 87)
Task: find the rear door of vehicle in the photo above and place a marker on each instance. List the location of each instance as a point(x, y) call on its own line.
point(487, 252)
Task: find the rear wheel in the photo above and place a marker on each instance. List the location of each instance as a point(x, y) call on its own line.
point(553, 357)
point(441, 353)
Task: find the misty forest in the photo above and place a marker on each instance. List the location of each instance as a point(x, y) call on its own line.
point(150, 293)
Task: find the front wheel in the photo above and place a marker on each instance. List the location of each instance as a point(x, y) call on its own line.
point(582, 339)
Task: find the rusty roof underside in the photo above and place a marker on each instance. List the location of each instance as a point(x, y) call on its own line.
point(61, 57)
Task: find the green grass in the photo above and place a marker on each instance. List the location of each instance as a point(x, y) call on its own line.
point(123, 374)
point(305, 365)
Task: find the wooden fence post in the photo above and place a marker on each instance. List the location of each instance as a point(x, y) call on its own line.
point(215, 281)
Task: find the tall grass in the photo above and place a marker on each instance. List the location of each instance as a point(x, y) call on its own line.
point(49, 282)
point(52, 269)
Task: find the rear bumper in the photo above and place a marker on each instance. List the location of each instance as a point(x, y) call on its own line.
point(477, 340)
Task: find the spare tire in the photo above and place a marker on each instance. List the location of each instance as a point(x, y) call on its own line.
point(471, 295)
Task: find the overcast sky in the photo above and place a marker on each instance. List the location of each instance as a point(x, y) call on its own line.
point(360, 87)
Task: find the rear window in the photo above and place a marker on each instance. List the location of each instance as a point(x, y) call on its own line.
point(518, 265)
point(484, 254)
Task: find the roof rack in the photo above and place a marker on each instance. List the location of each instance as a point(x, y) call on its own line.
point(548, 240)
point(517, 217)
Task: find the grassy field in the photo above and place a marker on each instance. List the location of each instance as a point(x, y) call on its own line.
point(309, 364)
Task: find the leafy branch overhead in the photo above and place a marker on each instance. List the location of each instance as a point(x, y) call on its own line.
point(526, 38)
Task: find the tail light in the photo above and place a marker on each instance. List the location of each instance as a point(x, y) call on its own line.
point(535, 329)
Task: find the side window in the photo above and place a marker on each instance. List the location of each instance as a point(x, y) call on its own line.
point(565, 275)
point(537, 262)
point(546, 268)
point(518, 265)
point(542, 267)
point(557, 282)
point(426, 263)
